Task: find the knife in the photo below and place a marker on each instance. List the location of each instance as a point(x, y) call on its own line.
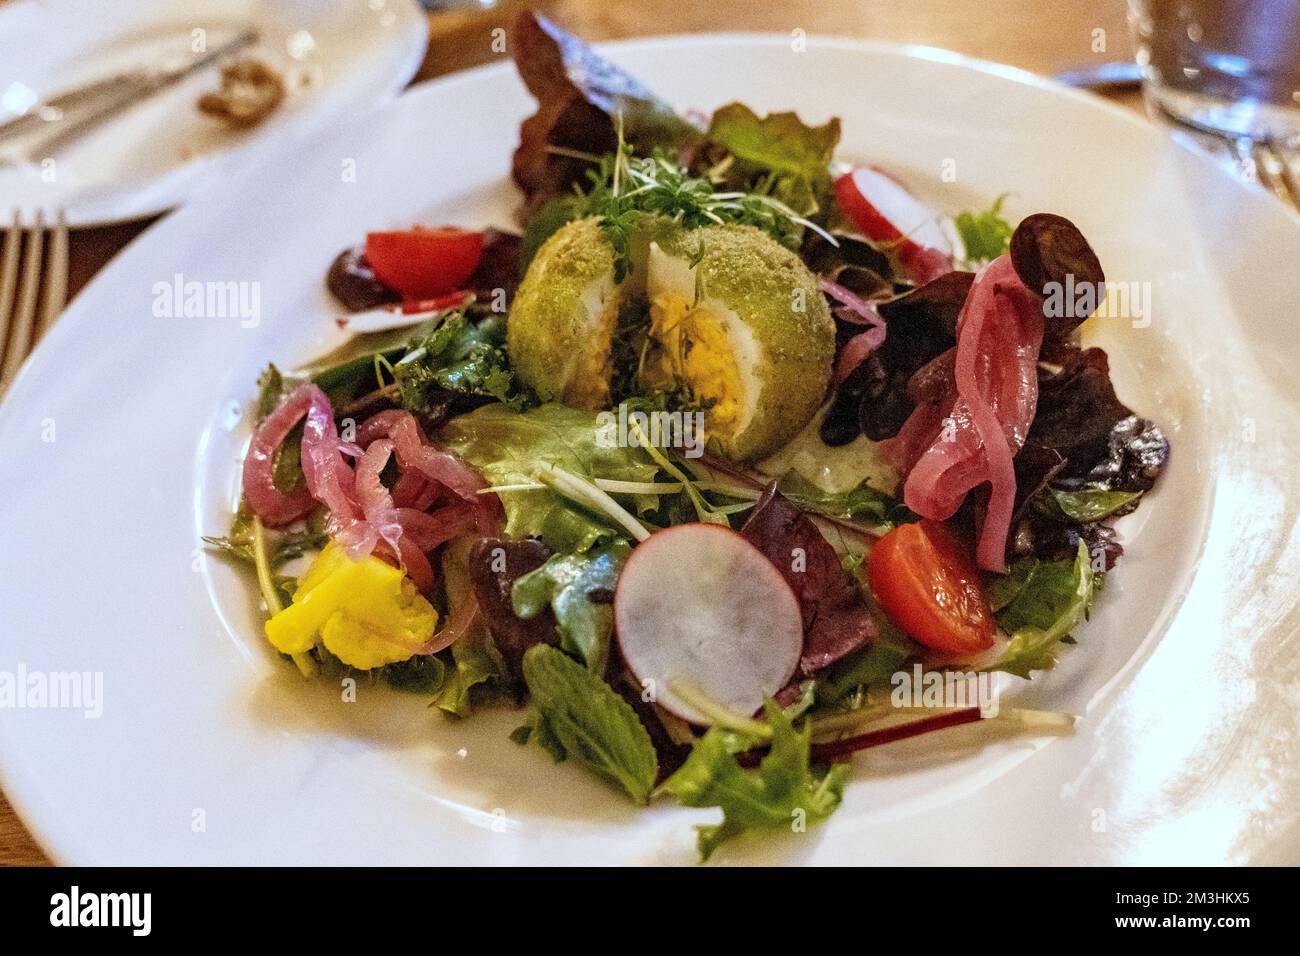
point(100, 101)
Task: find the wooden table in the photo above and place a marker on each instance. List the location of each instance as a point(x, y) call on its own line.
point(1039, 35)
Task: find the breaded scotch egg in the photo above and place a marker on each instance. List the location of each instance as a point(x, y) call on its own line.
point(721, 318)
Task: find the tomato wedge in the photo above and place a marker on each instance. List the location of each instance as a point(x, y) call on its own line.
point(930, 588)
point(424, 263)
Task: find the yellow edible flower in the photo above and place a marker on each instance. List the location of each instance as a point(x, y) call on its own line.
point(366, 613)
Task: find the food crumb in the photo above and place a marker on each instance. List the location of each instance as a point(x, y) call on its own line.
point(250, 91)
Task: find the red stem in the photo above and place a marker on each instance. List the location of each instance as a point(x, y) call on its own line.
point(887, 735)
point(822, 753)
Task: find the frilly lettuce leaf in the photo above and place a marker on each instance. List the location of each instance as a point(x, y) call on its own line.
point(508, 447)
point(475, 662)
point(474, 658)
point(784, 793)
point(1086, 505)
point(863, 502)
point(1052, 601)
point(985, 234)
point(579, 95)
point(778, 154)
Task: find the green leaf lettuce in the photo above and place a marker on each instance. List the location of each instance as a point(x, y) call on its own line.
point(784, 794)
point(779, 154)
point(579, 588)
point(986, 235)
point(1053, 601)
point(508, 447)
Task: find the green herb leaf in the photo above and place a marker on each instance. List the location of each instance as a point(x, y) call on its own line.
point(521, 734)
point(459, 356)
point(1087, 505)
point(579, 588)
point(422, 674)
point(1002, 589)
point(986, 235)
point(283, 547)
point(860, 503)
point(580, 713)
point(1054, 600)
point(547, 740)
point(355, 369)
point(286, 467)
point(779, 154)
point(862, 668)
point(784, 794)
point(271, 390)
point(626, 188)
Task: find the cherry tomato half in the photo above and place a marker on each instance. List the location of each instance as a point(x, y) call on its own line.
point(424, 263)
point(930, 588)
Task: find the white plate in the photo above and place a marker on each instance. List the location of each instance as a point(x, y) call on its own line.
point(336, 56)
point(122, 439)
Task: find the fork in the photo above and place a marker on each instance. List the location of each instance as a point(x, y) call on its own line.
point(1272, 164)
point(33, 288)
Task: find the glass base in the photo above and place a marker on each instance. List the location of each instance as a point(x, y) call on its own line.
point(1235, 118)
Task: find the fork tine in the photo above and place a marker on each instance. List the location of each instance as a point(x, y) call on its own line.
point(1247, 165)
point(21, 329)
point(55, 293)
point(1286, 171)
point(1267, 166)
point(9, 278)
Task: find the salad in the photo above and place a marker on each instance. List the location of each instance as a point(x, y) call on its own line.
point(727, 443)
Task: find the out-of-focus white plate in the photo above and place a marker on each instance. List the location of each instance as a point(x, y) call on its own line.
point(337, 57)
point(123, 434)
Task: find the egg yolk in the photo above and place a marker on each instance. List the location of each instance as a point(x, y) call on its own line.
point(690, 351)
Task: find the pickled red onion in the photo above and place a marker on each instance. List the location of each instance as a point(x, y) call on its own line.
point(459, 622)
point(329, 478)
point(860, 312)
point(994, 396)
point(266, 501)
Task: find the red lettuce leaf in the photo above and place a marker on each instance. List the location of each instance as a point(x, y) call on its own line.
point(578, 95)
point(835, 615)
point(494, 564)
point(500, 267)
point(877, 397)
point(1103, 442)
point(351, 280)
point(1048, 250)
point(1083, 437)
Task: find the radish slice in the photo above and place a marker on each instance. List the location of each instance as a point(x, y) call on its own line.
point(700, 606)
point(887, 213)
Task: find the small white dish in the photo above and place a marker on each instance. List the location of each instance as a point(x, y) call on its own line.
point(337, 58)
